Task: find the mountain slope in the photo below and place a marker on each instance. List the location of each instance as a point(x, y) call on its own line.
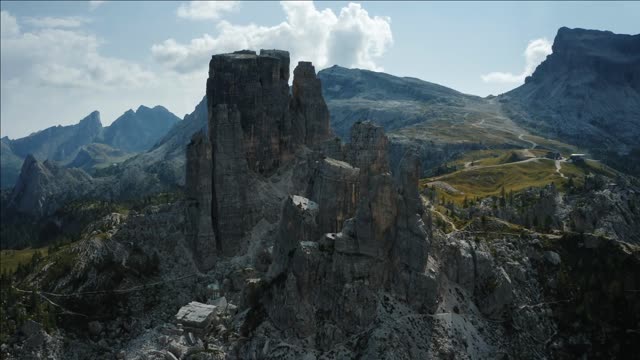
point(139, 130)
point(43, 187)
point(390, 101)
point(586, 92)
point(11, 164)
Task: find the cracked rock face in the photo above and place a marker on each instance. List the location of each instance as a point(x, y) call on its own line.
point(324, 286)
point(256, 126)
point(199, 227)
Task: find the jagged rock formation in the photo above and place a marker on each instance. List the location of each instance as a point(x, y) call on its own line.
point(324, 286)
point(255, 126)
point(43, 187)
point(334, 184)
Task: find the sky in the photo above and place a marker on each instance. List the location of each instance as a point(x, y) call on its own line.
point(62, 60)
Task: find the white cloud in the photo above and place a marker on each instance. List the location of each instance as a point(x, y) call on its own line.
point(65, 58)
point(206, 10)
point(57, 67)
point(351, 39)
point(536, 52)
point(8, 25)
point(93, 4)
point(57, 22)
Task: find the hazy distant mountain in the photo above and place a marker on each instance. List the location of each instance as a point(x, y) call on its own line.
point(139, 130)
point(134, 131)
point(11, 164)
point(59, 143)
point(586, 92)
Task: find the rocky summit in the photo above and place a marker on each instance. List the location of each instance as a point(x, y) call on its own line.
point(284, 241)
point(255, 126)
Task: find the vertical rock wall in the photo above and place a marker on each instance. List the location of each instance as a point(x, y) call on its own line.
point(256, 125)
point(198, 193)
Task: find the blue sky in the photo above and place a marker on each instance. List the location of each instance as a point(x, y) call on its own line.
point(62, 60)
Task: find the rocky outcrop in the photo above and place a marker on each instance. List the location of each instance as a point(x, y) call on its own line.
point(298, 224)
point(199, 227)
point(43, 187)
point(334, 185)
point(324, 287)
point(309, 111)
point(255, 127)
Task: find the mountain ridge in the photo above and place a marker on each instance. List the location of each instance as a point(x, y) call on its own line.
point(132, 132)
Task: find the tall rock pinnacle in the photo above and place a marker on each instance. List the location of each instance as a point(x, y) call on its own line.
point(255, 126)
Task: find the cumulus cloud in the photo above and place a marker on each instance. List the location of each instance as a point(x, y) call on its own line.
point(206, 10)
point(57, 22)
point(61, 57)
point(352, 38)
point(535, 53)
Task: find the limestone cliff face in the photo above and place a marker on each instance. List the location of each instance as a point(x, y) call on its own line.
point(310, 112)
point(256, 126)
point(328, 285)
point(199, 227)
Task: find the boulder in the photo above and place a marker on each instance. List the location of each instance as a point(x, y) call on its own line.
point(196, 315)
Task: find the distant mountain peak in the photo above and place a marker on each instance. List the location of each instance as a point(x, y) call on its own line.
point(93, 119)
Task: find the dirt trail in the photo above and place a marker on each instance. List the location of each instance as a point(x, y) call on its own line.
point(558, 168)
point(446, 219)
point(533, 144)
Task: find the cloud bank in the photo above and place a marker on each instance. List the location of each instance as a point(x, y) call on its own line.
point(535, 53)
point(352, 39)
point(52, 55)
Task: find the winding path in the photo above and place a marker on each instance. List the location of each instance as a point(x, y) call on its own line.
point(533, 144)
point(453, 226)
point(558, 168)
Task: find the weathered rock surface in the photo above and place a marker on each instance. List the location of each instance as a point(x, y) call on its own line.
point(199, 227)
point(322, 288)
point(44, 187)
point(334, 186)
point(196, 315)
point(255, 127)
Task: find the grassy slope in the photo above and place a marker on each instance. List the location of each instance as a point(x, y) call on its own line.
point(487, 181)
point(9, 259)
